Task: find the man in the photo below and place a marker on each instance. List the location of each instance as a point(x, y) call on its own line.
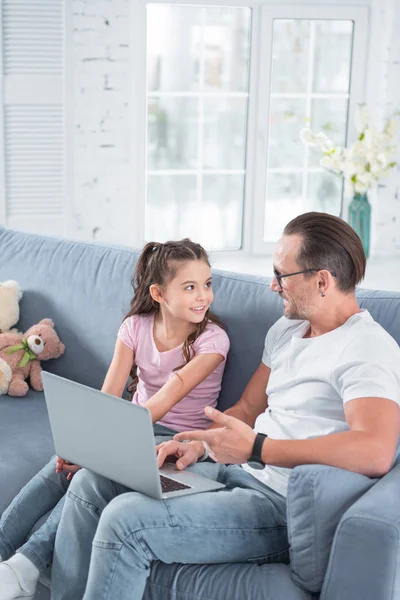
point(327, 391)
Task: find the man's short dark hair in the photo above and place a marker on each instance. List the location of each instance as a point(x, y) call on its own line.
point(329, 243)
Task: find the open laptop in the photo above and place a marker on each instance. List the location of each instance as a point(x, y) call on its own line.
point(114, 438)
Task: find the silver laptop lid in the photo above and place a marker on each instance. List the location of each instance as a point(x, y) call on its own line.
point(94, 430)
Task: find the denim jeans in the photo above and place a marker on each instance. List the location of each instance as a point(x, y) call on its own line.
point(43, 493)
point(109, 536)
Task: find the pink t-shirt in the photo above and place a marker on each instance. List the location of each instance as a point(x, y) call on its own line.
point(156, 368)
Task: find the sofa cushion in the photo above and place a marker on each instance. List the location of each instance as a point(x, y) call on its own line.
point(318, 496)
point(26, 442)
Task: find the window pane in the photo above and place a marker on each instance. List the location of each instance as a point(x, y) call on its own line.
point(172, 133)
point(286, 120)
point(221, 212)
point(224, 133)
point(332, 62)
point(173, 210)
point(226, 49)
point(290, 55)
point(324, 192)
point(171, 201)
point(173, 47)
point(284, 200)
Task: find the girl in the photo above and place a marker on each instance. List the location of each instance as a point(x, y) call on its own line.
point(174, 349)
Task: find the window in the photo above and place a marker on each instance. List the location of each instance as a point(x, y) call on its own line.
point(197, 101)
point(313, 76)
point(227, 92)
point(310, 84)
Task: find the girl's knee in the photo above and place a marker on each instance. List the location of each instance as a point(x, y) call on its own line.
point(127, 514)
point(91, 487)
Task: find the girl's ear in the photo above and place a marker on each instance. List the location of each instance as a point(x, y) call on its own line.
point(155, 293)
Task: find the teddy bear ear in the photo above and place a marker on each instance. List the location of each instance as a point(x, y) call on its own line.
point(14, 286)
point(48, 322)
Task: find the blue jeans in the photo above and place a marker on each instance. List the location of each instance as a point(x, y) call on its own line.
point(109, 536)
point(43, 493)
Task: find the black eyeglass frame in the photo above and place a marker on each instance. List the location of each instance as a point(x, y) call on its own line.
point(280, 277)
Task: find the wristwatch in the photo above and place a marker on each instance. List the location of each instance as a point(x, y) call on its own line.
point(255, 461)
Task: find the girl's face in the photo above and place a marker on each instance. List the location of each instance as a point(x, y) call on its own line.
point(189, 294)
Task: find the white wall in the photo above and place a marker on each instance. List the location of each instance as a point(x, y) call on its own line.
point(100, 113)
point(101, 116)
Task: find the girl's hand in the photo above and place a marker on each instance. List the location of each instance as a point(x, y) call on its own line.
point(63, 466)
point(185, 454)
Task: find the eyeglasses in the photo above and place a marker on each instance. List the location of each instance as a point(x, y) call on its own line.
point(280, 277)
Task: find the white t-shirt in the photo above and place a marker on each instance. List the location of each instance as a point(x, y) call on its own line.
point(312, 378)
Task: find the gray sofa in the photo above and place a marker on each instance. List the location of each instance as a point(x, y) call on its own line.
point(344, 529)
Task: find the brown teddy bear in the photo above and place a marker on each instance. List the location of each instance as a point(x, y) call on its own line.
point(20, 356)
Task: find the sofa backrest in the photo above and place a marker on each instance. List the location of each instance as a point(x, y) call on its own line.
point(85, 288)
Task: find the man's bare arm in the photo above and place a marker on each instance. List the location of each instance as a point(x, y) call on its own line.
point(254, 399)
point(368, 448)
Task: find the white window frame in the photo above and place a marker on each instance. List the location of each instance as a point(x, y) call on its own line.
point(258, 104)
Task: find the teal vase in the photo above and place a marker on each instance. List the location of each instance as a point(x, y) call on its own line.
point(360, 219)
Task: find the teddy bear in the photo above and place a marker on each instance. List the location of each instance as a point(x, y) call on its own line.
point(10, 295)
point(20, 356)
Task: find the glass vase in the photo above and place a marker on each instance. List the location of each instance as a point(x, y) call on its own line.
point(360, 219)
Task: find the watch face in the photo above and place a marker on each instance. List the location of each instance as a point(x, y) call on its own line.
point(254, 464)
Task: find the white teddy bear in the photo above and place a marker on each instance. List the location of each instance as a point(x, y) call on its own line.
point(10, 295)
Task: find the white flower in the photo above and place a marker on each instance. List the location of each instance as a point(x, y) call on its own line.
point(382, 158)
point(327, 145)
point(362, 118)
point(364, 162)
point(375, 167)
point(307, 136)
point(359, 188)
point(328, 162)
point(391, 127)
point(366, 179)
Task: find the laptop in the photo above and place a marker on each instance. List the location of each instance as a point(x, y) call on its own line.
point(114, 438)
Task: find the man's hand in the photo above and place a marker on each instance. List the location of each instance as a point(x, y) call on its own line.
point(186, 454)
point(231, 443)
point(63, 466)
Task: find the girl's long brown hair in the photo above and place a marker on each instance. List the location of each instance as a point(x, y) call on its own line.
point(158, 264)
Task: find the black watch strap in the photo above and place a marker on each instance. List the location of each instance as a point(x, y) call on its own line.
point(256, 455)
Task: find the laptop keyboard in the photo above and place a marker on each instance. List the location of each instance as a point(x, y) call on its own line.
point(171, 485)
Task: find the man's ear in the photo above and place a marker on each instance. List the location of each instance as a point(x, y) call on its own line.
point(156, 293)
point(323, 281)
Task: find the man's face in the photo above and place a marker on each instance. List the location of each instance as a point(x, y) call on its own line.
point(298, 293)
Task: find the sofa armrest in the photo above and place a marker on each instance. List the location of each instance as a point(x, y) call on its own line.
point(365, 557)
point(318, 497)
